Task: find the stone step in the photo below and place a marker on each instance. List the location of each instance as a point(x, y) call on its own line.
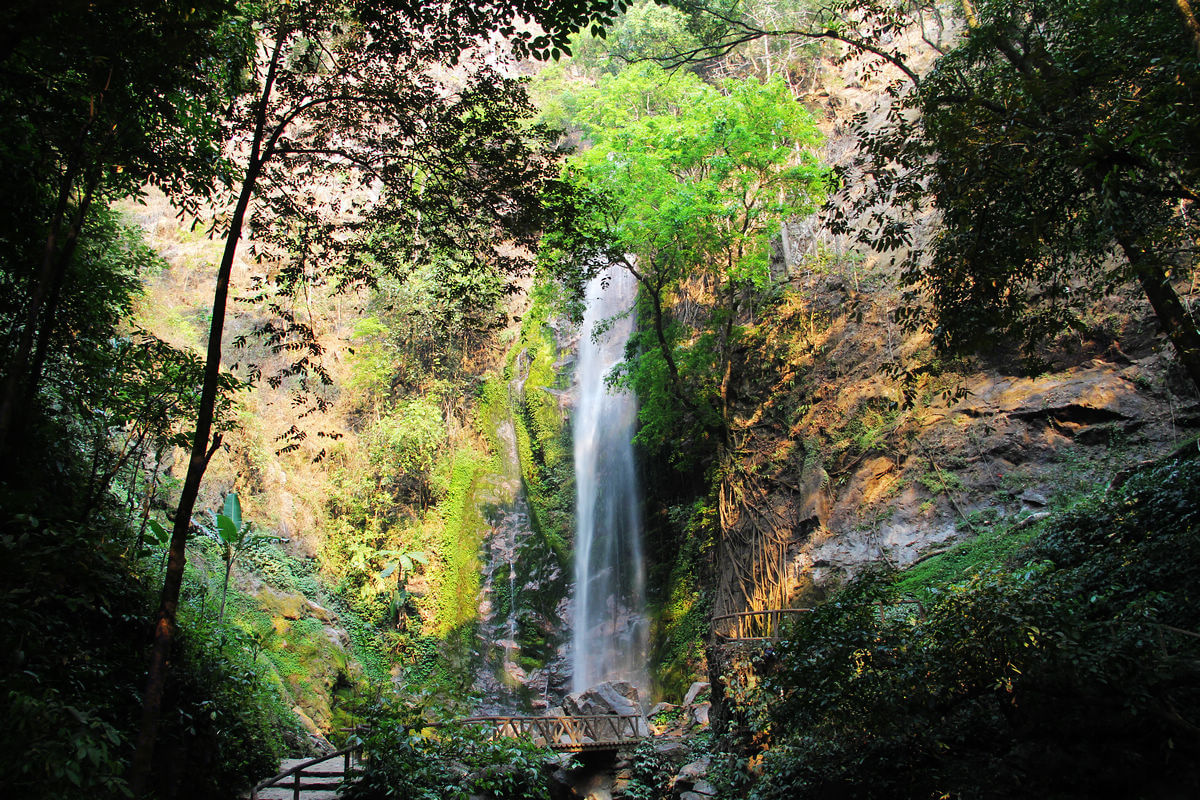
point(320, 781)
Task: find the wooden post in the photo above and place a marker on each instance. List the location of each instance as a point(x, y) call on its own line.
point(296, 788)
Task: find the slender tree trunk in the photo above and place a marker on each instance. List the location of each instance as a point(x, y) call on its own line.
point(225, 588)
point(17, 369)
point(50, 275)
point(1178, 324)
point(968, 7)
point(202, 451)
point(50, 312)
point(164, 626)
point(1189, 21)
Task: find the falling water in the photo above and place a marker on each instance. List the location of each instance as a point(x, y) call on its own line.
point(609, 625)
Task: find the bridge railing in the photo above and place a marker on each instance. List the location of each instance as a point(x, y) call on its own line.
point(294, 778)
point(564, 733)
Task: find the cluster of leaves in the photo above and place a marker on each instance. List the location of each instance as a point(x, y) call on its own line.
point(417, 763)
point(651, 773)
point(73, 611)
point(687, 182)
point(1070, 671)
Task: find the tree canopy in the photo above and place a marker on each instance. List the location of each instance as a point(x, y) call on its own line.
point(1060, 144)
point(688, 181)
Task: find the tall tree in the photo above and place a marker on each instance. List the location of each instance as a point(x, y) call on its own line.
point(1060, 142)
point(359, 96)
point(96, 100)
point(689, 182)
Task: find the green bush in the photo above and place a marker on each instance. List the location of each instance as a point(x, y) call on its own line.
point(449, 763)
point(1068, 672)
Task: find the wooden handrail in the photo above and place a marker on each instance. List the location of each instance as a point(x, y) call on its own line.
point(566, 732)
point(297, 773)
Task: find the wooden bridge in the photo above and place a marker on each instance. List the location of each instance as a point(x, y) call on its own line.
point(567, 734)
point(766, 625)
point(310, 779)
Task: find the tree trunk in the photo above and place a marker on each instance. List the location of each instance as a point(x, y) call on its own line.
point(1189, 22)
point(164, 626)
point(1176, 322)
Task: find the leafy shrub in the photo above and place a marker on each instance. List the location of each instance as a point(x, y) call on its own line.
point(449, 763)
point(1070, 672)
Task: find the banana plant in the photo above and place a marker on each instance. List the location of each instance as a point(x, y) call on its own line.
point(401, 566)
point(235, 535)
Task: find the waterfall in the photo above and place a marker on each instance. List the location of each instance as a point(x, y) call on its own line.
point(609, 638)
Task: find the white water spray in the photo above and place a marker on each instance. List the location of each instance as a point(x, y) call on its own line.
point(609, 640)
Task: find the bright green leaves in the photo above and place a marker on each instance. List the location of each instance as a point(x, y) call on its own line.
point(687, 182)
point(232, 518)
point(404, 562)
point(234, 534)
point(697, 176)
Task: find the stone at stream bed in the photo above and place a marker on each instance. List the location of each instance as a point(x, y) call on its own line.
point(662, 708)
point(610, 697)
point(673, 750)
point(694, 691)
point(693, 772)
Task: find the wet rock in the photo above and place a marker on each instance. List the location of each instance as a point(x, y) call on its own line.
point(610, 697)
point(703, 787)
point(699, 714)
point(694, 691)
point(673, 750)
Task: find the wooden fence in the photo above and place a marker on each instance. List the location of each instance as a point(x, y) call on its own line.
point(571, 734)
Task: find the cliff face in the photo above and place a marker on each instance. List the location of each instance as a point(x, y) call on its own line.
point(857, 444)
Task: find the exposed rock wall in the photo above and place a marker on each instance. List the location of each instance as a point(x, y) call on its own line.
point(857, 444)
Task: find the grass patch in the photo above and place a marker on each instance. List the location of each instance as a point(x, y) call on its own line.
point(996, 542)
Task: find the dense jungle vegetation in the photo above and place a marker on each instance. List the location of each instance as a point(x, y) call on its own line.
point(286, 302)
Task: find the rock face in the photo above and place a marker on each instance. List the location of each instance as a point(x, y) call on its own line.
point(611, 697)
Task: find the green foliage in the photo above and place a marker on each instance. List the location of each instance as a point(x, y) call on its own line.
point(686, 182)
point(405, 446)
point(1095, 103)
point(680, 622)
point(652, 773)
point(449, 762)
point(996, 541)
point(72, 612)
point(1063, 672)
point(462, 530)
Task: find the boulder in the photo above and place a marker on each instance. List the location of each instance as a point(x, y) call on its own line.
point(694, 771)
point(673, 750)
point(610, 697)
point(694, 691)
